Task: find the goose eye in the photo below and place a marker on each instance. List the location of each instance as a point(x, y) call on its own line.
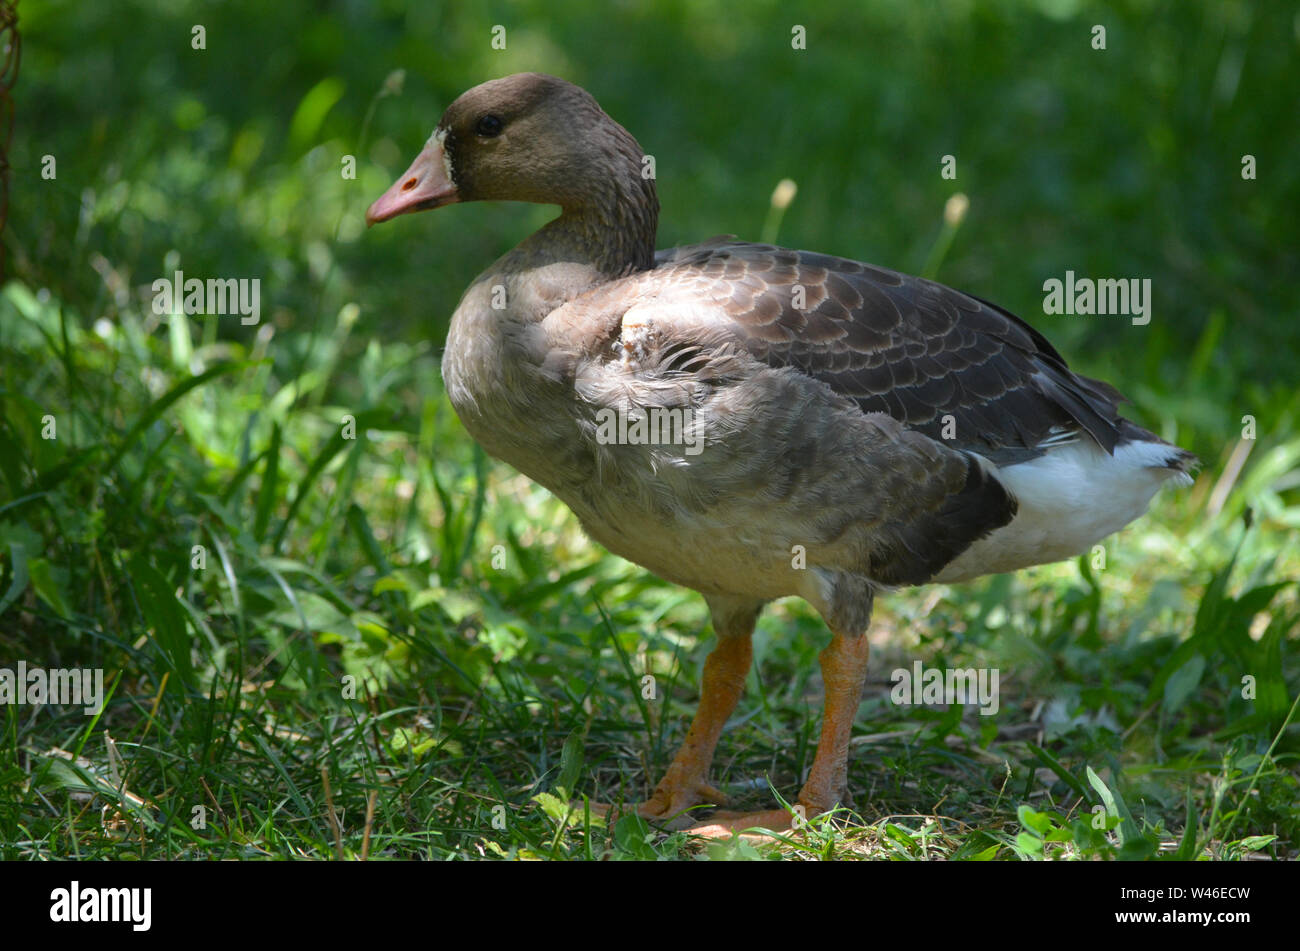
point(489, 127)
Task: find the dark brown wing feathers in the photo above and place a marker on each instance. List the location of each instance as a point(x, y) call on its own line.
point(901, 345)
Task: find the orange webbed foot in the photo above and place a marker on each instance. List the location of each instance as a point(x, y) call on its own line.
point(671, 805)
point(751, 826)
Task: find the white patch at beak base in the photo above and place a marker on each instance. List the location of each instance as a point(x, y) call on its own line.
point(439, 138)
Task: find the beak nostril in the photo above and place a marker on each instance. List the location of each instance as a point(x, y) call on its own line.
point(422, 186)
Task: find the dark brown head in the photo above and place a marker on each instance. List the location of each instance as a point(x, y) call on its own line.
point(527, 137)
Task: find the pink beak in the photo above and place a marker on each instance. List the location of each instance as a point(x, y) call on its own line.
point(424, 185)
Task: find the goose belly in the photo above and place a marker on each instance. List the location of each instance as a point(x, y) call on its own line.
point(726, 551)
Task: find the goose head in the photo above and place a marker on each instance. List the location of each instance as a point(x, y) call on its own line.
point(535, 138)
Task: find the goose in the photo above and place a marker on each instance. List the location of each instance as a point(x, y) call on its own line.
point(754, 422)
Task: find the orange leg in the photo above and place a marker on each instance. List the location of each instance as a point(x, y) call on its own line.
point(686, 782)
point(844, 672)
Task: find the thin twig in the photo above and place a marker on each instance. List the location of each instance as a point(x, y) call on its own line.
point(370, 816)
point(334, 819)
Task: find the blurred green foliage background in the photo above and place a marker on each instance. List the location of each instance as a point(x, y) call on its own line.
point(372, 557)
point(1122, 162)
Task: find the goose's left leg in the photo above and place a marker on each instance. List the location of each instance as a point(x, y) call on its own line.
point(686, 783)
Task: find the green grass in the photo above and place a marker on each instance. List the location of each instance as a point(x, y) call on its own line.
point(479, 687)
point(391, 645)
